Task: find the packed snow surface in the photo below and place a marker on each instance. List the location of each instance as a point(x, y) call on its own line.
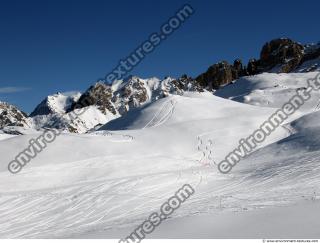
point(107, 182)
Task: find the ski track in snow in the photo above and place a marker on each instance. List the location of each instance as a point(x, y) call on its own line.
point(162, 115)
point(102, 204)
point(78, 207)
point(114, 137)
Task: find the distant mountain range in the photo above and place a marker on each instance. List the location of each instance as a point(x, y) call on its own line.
point(108, 102)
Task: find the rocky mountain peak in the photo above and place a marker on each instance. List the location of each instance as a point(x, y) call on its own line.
point(100, 95)
point(104, 102)
point(283, 52)
point(281, 55)
point(221, 73)
point(58, 103)
point(12, 116)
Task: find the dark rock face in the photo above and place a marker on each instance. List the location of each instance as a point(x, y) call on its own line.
point(216, 75)
point(253, 67)
point(238, 70)
point(311, 52)
point(284, 52)
point(185, 83)
point(220, 74)
point(98, 94)
point(12, 116)
point(134, 92)
point(280, 55)
point(41, 109)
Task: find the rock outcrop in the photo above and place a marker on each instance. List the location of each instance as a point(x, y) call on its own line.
point(12, 116)
point(100, 95)
point(279, 55)
point(220, 74)
point(284, 53)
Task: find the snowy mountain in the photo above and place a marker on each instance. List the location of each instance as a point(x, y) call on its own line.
point(102, 103)
point(128, 147)
point(135, 92)
point(56, 104)
point(12, 116)
point(120, 174)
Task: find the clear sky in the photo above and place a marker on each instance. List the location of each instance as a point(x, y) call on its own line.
point(48, 46)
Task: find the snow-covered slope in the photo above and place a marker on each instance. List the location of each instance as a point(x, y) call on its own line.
point(92, 183)
point(56, 104)
point(297, 221)
point(158, 137)
point(270, 90)
point(309, 66)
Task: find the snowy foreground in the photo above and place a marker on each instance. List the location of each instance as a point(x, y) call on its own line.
point(105, 183)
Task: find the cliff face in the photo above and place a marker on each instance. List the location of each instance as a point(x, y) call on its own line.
point(221, 73)
point(280, 56)
point(12, 116)
point(284, 53)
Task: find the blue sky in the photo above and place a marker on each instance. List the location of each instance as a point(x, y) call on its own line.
point(48, 46)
